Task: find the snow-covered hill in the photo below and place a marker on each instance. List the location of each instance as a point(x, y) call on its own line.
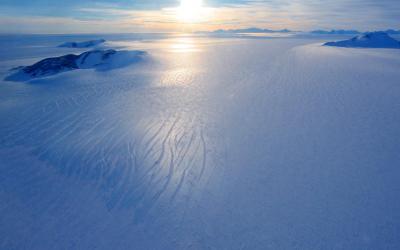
point(85, 44)
point(377, 39)
point(99, 59)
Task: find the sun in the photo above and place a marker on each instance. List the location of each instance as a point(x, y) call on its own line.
point(191, 11)
point(191, 4)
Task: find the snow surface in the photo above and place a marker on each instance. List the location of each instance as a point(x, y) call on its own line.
point(377, 39)
point(85, 44)
point(212, 144)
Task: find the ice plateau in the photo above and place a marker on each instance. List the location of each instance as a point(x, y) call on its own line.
point(208, 143)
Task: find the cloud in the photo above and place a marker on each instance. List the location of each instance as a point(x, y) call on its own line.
point(56, 25)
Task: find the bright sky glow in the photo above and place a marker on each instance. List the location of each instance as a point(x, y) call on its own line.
point(193, 11)
point(190, 10)
point(88, 16)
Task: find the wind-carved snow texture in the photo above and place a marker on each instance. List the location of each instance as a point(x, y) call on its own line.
point(377, 39)
point(85, 44)
point(98, 59)
point(239, 144)
point(132, 172)
point(138, 146)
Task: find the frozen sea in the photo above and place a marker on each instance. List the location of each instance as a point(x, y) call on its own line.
point(208, 143)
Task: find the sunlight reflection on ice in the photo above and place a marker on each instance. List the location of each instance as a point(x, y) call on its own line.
point(183, 45)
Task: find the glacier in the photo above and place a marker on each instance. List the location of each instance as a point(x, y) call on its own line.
point(210, 143)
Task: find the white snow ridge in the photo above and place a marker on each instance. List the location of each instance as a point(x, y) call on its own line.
point(377, 39)
point(98, 59)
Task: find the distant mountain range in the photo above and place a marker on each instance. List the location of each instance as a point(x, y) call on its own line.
point(316, 32)
point(349, 32)
point(335, 32)
point(250, 30)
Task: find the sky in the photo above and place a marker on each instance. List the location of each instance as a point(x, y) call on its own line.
point(120, 16)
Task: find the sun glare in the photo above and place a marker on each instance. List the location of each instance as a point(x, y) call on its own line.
point(191, 11)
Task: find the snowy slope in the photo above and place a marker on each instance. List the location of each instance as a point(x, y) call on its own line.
point(368, 40)
point(213, 144)
point(98, 59)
